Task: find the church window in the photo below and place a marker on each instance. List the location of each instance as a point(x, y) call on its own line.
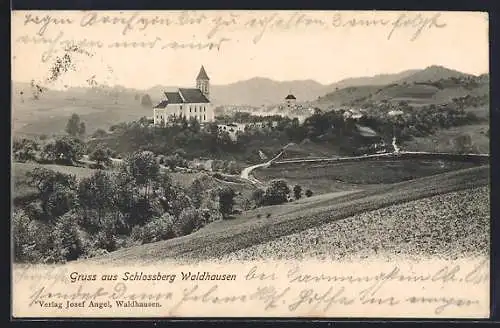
point(190, 109)
point(195, 109)
point(204, 117)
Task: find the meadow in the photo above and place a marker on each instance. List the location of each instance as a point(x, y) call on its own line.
point(331, 177)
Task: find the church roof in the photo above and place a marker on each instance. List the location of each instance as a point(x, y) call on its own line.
point(290, 97)
point(193, 96)
point(202, 75)
point(173, 97)
point(183, 96)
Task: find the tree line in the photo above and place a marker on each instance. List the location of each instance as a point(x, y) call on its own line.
point(74, 218)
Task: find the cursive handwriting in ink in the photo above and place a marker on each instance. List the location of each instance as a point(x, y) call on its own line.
point(45, 22)
point(443, 301)
point(418, 22)
point(269, 295)
point(327, 299)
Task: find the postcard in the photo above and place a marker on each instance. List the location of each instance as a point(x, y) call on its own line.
point(310, 164)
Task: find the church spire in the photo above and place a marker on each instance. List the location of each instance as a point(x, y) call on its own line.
point(203, 74)
point(203, 82)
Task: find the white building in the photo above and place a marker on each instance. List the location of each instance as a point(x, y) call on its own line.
point(232, 129)
point(188, 103)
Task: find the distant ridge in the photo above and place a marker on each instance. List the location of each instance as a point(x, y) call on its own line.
point(433, 73)
point(260, 91)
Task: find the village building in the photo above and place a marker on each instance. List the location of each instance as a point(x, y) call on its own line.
point(290, 102)
point(186, 102)
point(354, 114)
point(232, 129)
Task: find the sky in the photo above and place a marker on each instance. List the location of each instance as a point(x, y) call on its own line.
point(280, 45)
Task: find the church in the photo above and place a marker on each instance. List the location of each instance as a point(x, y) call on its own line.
point(188, 103)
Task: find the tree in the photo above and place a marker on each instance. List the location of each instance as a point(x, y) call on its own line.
point(172, 161)
point(75, 127)
point(61, 201)
point(66, 149)
point(158, 228)
point(143, 167)
point(277, 193)
point(196, 193)
point(146, 101)
point(67, 242)
point(23, 240)
point(56, 190)
point(99, 133)
point(194, 125)
point(179, 201)
point(97, 194)
point(145, 171)
point(24, 149)
point(101, 155)
point(258, 197)
point(309, 193)
point(226, 201)
point(297, 191)
point(246, 204)
point(188, 221)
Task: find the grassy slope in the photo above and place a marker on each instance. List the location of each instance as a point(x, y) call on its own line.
point(414, 93)
point(215, 241)
point(442, 140)
point(447, 226)
point(20, 187)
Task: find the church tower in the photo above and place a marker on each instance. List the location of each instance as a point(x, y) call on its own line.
point(203, 83)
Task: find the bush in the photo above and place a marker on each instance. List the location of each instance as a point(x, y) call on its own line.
point(277, 193)
point(34, 211)
point(68, 244)
point(101, 155)
point(226, 201)
point(189, 221)
point(258, 197)
point(61, 201)
point(65, 149)
point(24, 149)
point(246, 204)
point(32, 240)
point(309, 193)
point(297, 192)
point(159, 228)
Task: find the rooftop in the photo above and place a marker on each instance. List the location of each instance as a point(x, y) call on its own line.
point(183, 96)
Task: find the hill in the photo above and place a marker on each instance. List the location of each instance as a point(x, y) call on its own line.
point(103, 106)
point(262, 91)
point(433, 73)
point(217, 240)
point(433, 85)
point(380, 79)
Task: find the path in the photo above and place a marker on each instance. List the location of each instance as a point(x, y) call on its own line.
point(246, 172)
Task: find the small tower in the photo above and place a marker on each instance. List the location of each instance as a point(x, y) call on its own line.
point(290, 101)
point(203, 82)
